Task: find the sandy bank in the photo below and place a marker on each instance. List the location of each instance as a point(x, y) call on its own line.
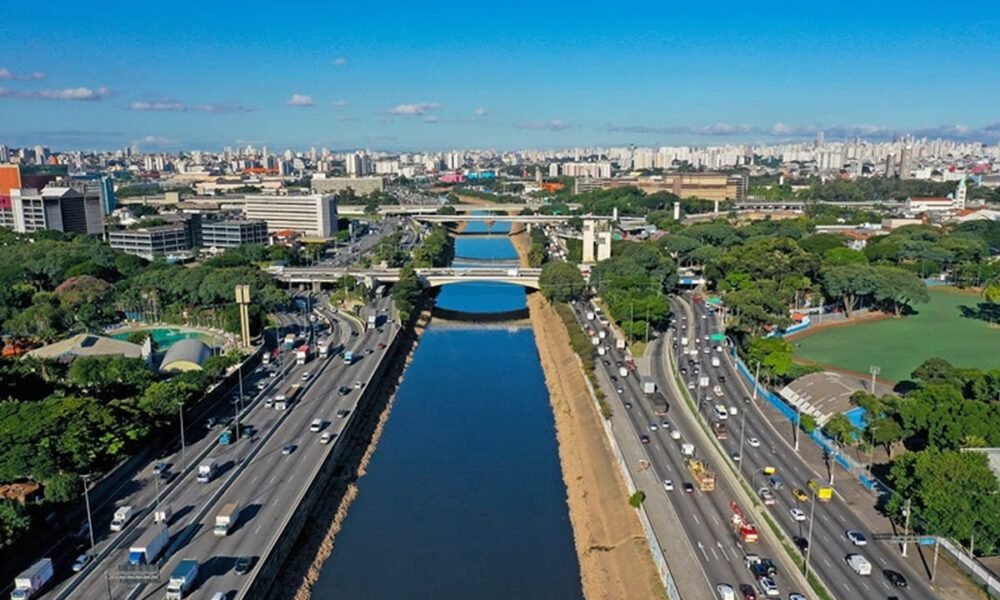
point(614, 556)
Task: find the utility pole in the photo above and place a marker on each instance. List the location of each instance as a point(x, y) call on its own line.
point(90, 520)
point(743, 423)
point(239, 405)
point(809, 536)
point(906, 525)
point(180, 406)
point(937, 544)
point(798, 424)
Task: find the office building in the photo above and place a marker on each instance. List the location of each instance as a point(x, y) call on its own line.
point(362, 186)
point(231, 233)
point(152, 242)
point(313, 214)
point(703, 186)
point(57, 208)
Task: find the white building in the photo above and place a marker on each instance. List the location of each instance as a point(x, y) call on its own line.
point(313, 214)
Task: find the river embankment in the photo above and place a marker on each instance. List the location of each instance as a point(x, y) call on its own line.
point(615, 560)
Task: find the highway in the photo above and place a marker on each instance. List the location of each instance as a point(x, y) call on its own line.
point(705, 516)
point(832, 519)
point(255, 472)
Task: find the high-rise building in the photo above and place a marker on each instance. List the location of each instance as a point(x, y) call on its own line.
point(313, 214)
point(820, 138)
point(59, 208)
point(905, 161)
point(4, 154)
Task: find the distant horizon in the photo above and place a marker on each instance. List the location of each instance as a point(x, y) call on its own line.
point(528, 76)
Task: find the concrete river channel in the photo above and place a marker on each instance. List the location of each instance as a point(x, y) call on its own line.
point(463, 497)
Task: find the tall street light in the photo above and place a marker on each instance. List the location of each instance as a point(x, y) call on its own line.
point(809, 536)
point(90, 520)
point(874, 370)
point(180, 409)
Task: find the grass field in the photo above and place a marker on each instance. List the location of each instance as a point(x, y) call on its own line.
point(900, 345)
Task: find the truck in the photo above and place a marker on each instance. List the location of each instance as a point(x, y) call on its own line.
point(620, 343)
point(290, 341)
point(684, 340)
point(742, 526)
point(719, 429)
point(283, 401)
point(348, 357)
point(590, 315)
point(163, 514)
point(602, 350)
point(859, 564)
point(207, 469)
point(182, 579)
point(648, 386)
point(703, 477)
point(596, 341)
point(149, 545)
point(824, 493)
point(265, 358)
point(715, 361)
point(226, 518)
point(687, 449)
point(623, 372)
point(372, 319)
point(659, 403)
point(323, 348)
point(31, 580)
point(302, 354)
point(121, 518)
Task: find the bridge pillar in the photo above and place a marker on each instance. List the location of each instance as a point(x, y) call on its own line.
point(589, 235)
point(528, 227)
point(317, 286)
point(603, 245)
point(716, 210)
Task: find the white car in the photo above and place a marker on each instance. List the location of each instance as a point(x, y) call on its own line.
point(306, 376)
point(753, 442)
point(326, 437)
point(725, 591)
point(857, 538)
point(80, 562)
point(720, 412)
point(668, 485)
point(798, 514)
point(674, 434)
point(733, 411)
point(652, 427)
point(768, 586)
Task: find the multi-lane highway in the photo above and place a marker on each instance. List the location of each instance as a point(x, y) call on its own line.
point(763, 447)
point(705, 516)
point(257, 472)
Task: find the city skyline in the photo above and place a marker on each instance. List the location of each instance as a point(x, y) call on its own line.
point(524, 77)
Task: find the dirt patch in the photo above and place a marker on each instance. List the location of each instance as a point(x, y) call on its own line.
point(615, 560)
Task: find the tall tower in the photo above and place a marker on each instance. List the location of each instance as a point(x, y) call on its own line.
point(960, 194)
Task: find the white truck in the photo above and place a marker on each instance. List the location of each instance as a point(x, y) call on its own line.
point(622, 371)
point(226, 518)
point(372, 319)
point(684, 341)
point(595, 340)
point(182, 579)
point(715, 361)
point(648, 386)
point(163, 514)
point(602, 350)
point(687, 449)
point(302, 354)
point(32, 579)
point(121, 518)
point(207, 469)
point(859, 564)
point(324, 349)
point(149, 545)
point(590, 315)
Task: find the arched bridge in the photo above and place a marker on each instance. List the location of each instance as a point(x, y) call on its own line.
point(432, 277)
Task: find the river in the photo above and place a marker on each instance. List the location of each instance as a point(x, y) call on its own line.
point(464, 497)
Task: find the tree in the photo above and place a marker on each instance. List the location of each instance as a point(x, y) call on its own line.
point(14, 523)
point(561, 282)
point(849, 283)
point(821, 243)
point(62, 488)
point(406, 293)
point(898, 289)
point(808, 423)
point(636, 499)
point(841, 257)
point(840, 428)
point(774, 355)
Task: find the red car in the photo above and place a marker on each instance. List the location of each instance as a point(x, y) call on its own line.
point(381, 346)
point(748, 592)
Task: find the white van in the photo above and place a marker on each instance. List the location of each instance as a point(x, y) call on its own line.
point(316, 425)
point(859, 564)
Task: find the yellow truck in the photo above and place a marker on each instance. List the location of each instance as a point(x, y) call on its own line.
point(823, 492)
point(704, 478)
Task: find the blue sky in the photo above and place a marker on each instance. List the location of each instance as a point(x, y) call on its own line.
point(446, 75)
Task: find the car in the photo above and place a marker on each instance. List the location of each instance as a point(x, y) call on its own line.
point(316, 425)
point(690, 385)
point(798, 514)
point(342, 413)
point(857, 538)
point(796, 596)
point(746, 400)
point(683, 370)
point(82, 531)
point(344, 390)
point(614, 378)
point(801, 543)
point(800, 495)
point(369, 351)
point(306, 376)
point(273, 374)
point(706, 350)
point(748, 592)
point(725, 591)
point(607, 363)
point(668, 485)
point(628, 405)
point(722, 379)
point(359, 384)
point(381, 346)
point(895, 578)
point(80, 562)
point(766, 496)
point(768, 586)
point(688, 487)
point(269, 402)
point(736, 456)
point(665, 424)
point(620, 390)
point(644, 439)
point(261, 385)
point(243, 564)
point(753, 442)
point(160, 468)
point(652, 427)
point(675, 434)
point(326, 437)
point(209, 422)
point(288, 449)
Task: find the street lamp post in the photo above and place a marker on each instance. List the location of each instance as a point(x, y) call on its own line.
point(874, 370)
point(743, 423)
point(756, 379)
point(90, 520)
point(809, 536)
point(180, 407)
point(798, 424)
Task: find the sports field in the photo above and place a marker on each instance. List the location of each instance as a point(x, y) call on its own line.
point(898, 346)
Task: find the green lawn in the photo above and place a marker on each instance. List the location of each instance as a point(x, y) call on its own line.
point(900, 345)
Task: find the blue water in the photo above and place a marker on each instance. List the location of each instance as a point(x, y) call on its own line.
point(495, 248)
point(464, 496)
point(487, 226)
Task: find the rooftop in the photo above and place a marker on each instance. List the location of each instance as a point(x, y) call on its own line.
point(827, 393)
point(87, 344)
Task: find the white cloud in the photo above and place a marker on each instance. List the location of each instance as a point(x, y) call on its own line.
point(84, 94)
point(165, 105)
point(419, 108)
point(153, 140)
point(340, 105)
point(340, 61)
point(222, 107)
point(481, 112)
point(7, 74)
point(301, 100)
point(431, 119)
point(551, 125)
